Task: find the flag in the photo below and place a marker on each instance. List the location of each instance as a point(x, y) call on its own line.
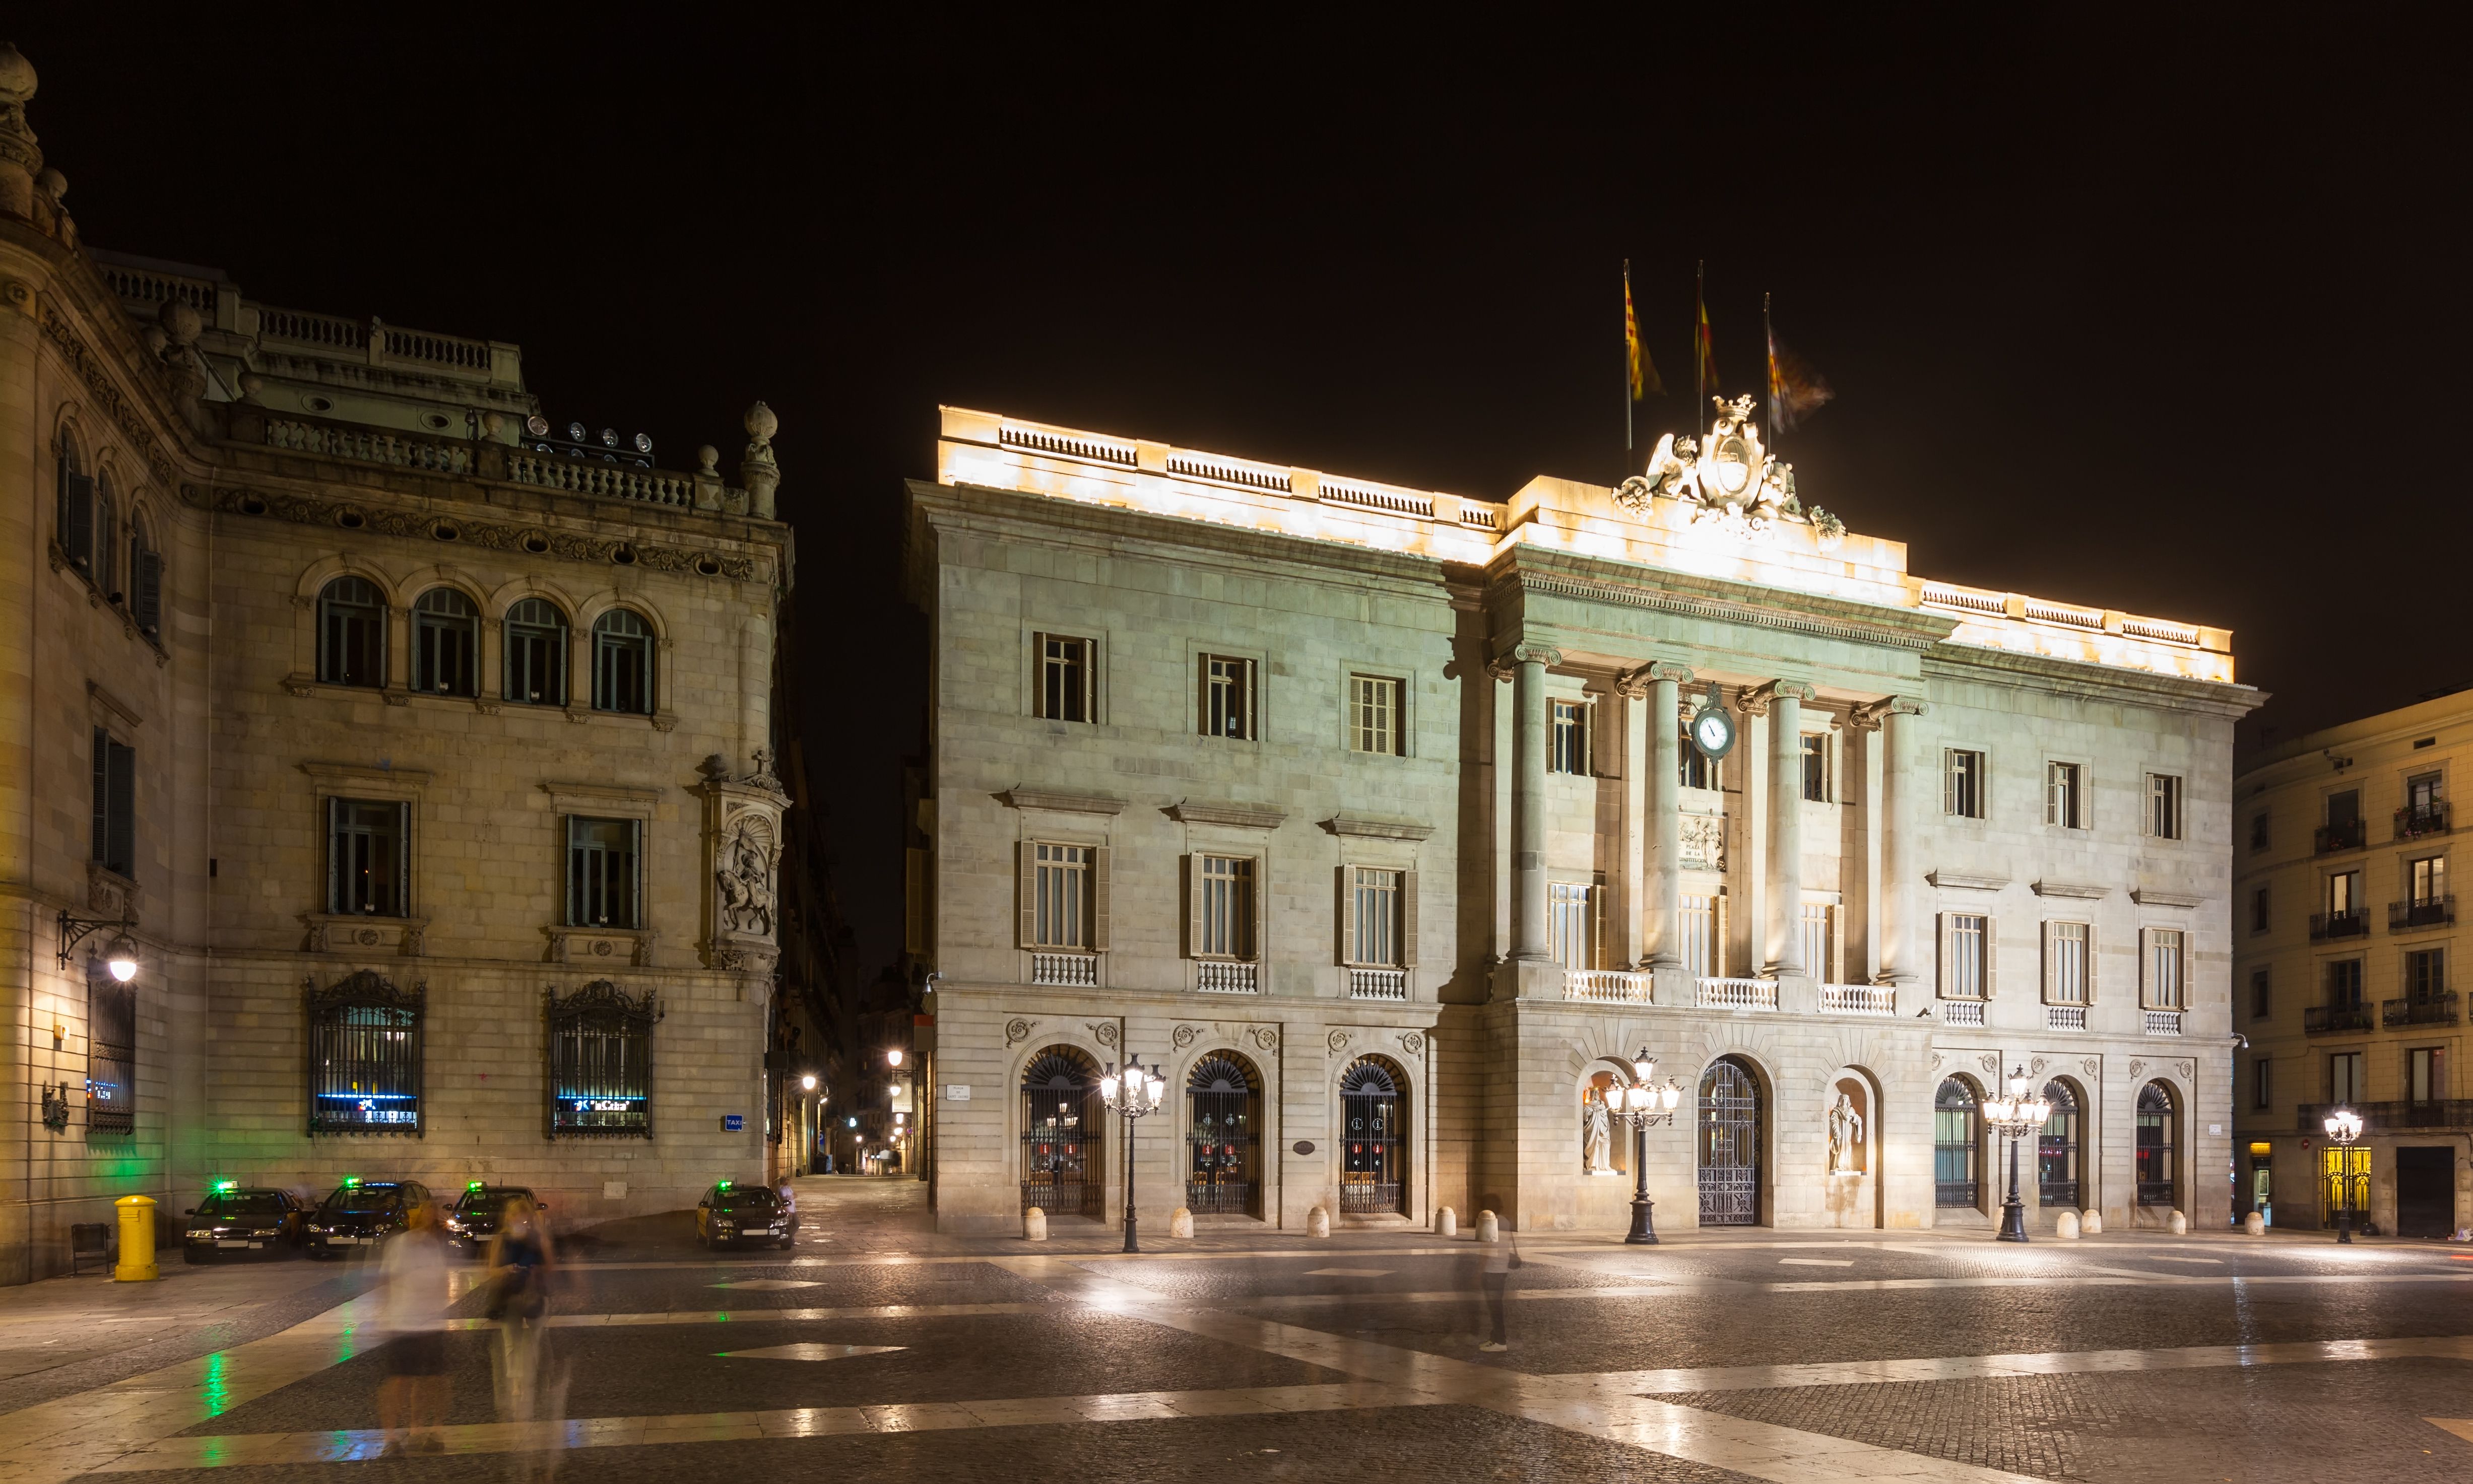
point(1644, 370)
point(1795, 390)
point(1705, 370)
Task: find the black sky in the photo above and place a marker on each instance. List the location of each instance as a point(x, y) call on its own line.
point(2161, 315)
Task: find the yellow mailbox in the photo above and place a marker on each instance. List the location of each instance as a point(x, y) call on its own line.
point(136, 1240)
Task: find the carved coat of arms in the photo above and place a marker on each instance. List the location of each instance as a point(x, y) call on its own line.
point(1729, 477)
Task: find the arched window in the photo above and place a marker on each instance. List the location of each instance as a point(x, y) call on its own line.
point(622, 662)
point(1957, 1147)
point(1729, 1145)
point(351, 633)
point(2056, 1148)
point(1374, 1117)
point(445, 643)
point(536, 654)
point(145, 576)
point(76, 520)
point(107, 540)
point(2155, 1167)
point(1223, 1101)
point(1059, 1132)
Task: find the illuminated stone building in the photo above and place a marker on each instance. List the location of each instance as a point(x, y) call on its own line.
point(1371, 817)
point(2344, 932)
point(419, 752)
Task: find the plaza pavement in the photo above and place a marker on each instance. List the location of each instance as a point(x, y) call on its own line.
point(879, 1350)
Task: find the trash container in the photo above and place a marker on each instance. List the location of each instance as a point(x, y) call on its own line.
point(136, 1240)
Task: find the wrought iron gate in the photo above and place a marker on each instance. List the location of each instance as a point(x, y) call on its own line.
point(1730, 1147)
point(1222, 1110)
point(1060, 1129)
point(1372, 1115)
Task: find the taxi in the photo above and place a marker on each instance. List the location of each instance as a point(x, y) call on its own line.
point(474, 1219)
point(239, 1219)
point(731, 1213)
point(363, 1214)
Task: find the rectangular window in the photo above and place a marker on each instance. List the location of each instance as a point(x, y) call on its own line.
point(1227, 696)
point(2260, 916)
point(1963, 954)
point(115, 840)
point(1702, 936)
point(2065, 795)
point(1816, 780)
point(601, 872)
point(2065, 981)
point(2345, 984)
point(1962, 784)
point(2343, 894)
point(2163, 806)
point(111, 1053)
point(2429, 880)
point(2261, 995)
point(2164, 969)
point(1376, 909)
point(1698, 769)
point(2344, 1080)
point(2425, 975)
point(1061, 897)
point(1064, 677)
point(1570, 737)
point(2421, 792)
point(1374, 714)
point(1571, 910)
point(1223, 911)
point(1819, 929)
point(2425, 1074)
point(601, 1063)
point(366, 865)
point(2261, 1084)
point(2258, 830)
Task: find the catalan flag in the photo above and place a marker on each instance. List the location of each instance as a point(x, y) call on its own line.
point(1644, 370)
point(1795, 390)
point(1705, 370)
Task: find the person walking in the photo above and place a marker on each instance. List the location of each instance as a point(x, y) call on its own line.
point(413, 1316)
point(1502, 1256)
point(522, 1264)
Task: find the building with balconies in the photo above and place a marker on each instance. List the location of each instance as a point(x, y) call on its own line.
point(1388, 823)
point(2344, 924)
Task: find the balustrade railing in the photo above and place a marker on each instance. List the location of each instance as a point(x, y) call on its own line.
point(1077, 971)
point(1961, 1011)
point(2065, 1018)
point(2455, 1113)
point(1213, 976)
point(610, 481)
point(2163, 1022)
point(369, 445)
point(1606, 986)
point(1738, 994)
point(1859, 999)
point(1378, 984)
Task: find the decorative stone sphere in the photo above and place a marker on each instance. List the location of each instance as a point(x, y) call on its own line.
point(180, 321)
point(761, 424)
point(53, 184)
point(17, 74)
point(251, 386)
point(709, 459)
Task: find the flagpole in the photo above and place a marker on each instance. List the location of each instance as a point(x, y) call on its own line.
point(1627, 376)
point(1699, 352)
point(1768, 333)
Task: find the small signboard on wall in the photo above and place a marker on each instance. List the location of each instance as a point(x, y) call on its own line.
point(733, 1123)
point(957, 1093)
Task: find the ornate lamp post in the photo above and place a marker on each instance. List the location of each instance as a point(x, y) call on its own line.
point(1137, 1094)
point(1640, 1102)
point(2343, 1125)
point(2016, 1115)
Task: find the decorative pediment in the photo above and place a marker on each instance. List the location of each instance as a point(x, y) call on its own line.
point(1729, 477)
point(367, 986)
point(603, 997)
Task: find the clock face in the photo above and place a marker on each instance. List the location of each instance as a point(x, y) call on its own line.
point(1713, 731)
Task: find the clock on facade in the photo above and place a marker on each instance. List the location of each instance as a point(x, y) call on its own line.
point(1713, 731)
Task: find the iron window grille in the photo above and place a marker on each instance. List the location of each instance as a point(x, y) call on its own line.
point(365, 1056)
point(111, 1053)
point(600, 1045)
point(536, 660)
point(1060, 1125)
point(2156, 1168)
point(2056, 1148)
point(1569, 727)
point(351, 633)
point(1223, 1108)
point(114, 837)
point(1227, 696)
point(1065, 679)
point(368, 861)
point(603, 872)
point(1957, 1181)
point(445, 643)
point(1374, 714)
point(622, 662)
point(1373, 1152)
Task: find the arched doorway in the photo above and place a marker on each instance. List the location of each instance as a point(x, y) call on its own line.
point(1061, 1173)
point(1223, 1106)
point(1372, 1122)
point(1957, 1147)
point(2058, 1149)
point(1729, 1145)
point(2157, 1168)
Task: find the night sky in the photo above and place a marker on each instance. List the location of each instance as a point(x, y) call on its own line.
point(2172, 320)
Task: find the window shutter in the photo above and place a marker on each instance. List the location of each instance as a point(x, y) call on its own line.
point(1948, 782)
point(1717, 935)
point(1940, 926)
point(334, 857)
point(78, 532)
point(1407, 919)
point(1192, 906)
point(150, 591)
point(1026, 881)
point(99, 831)
point(124, 810)
point(1347, 919)
point(1262, 892)
point(2145, 977)
point(1992, 952)
point(402, 906)
point(2092, 957)
point(1100, 899)
point(2052, 977)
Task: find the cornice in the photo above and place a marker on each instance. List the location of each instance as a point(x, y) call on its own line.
point(1244, 816)
point(367, 772)
point(1948, 879)
point(1377, 827)
point(1059, 801)
point(2153, 899)
point(1566, 574)
point(1966, 662)
point(101, 389)
point(2065, 889)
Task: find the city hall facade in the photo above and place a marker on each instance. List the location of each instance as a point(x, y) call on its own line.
point(1388, 824)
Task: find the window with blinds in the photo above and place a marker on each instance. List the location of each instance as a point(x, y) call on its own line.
point(2068, 964)
point(1963, 780)
point(1374, 719)
point(1965, 955)
point(1569, 753)
point(1223, 907)
point(1572, 921)
point(2164, 969)
point(1061, 897)
point(602, 873)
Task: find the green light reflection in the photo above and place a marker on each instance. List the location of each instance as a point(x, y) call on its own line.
point(214, 1389)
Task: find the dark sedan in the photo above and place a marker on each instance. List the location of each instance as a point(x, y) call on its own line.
point(731, 1212)
point(362, 1213)
point(235, 1219)
point(474, 1217)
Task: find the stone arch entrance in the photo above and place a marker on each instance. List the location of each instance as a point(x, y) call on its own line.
point(2061, 1147)
point(1957, 1146)
point(2159, 1118)
point(1223, 1120)
point(1374, 1143)
point(1730, 1144)
point(1061, 1169)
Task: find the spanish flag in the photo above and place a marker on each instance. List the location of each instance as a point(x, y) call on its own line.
point(1644, 370)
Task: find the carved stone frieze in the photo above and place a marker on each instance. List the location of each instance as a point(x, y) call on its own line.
point(105, 392)
point(743, 839)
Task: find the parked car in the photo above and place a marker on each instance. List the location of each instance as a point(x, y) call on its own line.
point(731, 1212)
point(474, 1219)
point(243, 1219)
point(362, 1213)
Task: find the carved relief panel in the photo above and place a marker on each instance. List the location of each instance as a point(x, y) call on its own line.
point(742, 863)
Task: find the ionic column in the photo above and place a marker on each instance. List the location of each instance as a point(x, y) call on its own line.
point(1661, 892)
point(1528, 751)
point(1903, 953)
point(1782, 884)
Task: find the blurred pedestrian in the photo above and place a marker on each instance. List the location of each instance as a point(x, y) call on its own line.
point(522, 1265)
point(1502, 1256)
point(413, 1316)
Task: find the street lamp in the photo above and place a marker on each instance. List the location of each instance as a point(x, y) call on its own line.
point(893, 1058)
point(2016, 1114)
point(1640, 1102)
point(2343, 1125)
point(119, 955)
point(1137, 1094)
point(807, 1083)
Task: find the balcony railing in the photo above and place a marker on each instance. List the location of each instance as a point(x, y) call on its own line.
point(1606, 986)
point(2455, 1113)
point(2326, 926)
point(1078, 970)
point(2065, 1018)
point(1213, 976)
point(2417, 820)
point(2403, 916)
point(2323, 1020)
point(2163, 1022)
point(1961, 1011)
point(1859, 999)
point(1737, 994)
point(2437, 1009)
point(1378, 984)
point(2346, 836)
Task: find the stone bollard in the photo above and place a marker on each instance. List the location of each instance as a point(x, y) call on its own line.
point(2091, 1222)
point(1446, 1222)
point(1180, 1222)
point(2065, 1226)
point(1317, 1222)
point(2178, 1226)
point(1034, 1224)
point(2254, 1224)
point(1489, 1227)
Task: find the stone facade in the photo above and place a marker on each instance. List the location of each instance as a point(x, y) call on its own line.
point(189, 474)
point(2344, 927)
point(1577, 886)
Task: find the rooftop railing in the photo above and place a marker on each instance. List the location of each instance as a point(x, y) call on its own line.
point(1859, 999)
point(1606, 986)
point(1739, 994)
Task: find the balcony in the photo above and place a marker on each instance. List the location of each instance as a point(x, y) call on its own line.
point(2065, 1018)
point(2327, 926)
point(2417, 820)
point(2328, 1019)
point(1606, 986)
point(1214, 976)
point(2405, 917)
point(1961, 1011)
point(1857, 999)
point(2162, 1022)
point(1073, 970)
point(2422, 1009)
point(1737, 994)
point(1378, 984)
point(2350, 835)
point(2456, 1113)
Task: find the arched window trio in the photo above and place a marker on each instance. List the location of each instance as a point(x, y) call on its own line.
point(104, 537)
point(446, 647)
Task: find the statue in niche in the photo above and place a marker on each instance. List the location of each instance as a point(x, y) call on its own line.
point(1845, 1137)
point(1597, 1134)
point(745, 876)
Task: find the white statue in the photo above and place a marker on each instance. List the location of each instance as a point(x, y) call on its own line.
point(1597, 1136)
point(1845, 1137)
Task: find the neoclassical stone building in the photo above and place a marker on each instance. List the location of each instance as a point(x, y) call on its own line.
point(1389, 824)
point(418, 752)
